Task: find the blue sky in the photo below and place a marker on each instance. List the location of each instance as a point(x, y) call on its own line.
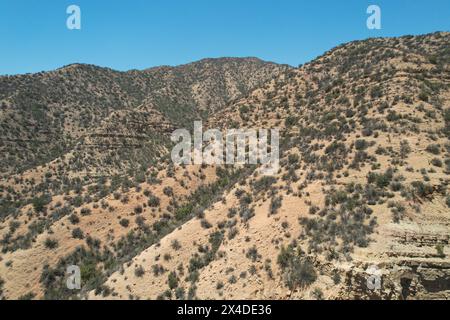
point(137, 34)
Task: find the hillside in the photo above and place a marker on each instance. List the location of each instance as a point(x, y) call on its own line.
point(81, 123)
point(363, 183)
point(44, 115)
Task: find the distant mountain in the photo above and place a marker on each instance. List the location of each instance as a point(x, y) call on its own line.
point(44, 115)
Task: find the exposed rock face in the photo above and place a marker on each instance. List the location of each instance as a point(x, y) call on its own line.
point(409, 280)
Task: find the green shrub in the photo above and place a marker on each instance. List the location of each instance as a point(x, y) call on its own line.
point(51, 243)
point(405, 149)
point(317, 294)
point(423, 96)
point(244, 109)
point(335, 147)
point(139, 271)
point(153, 201)
point(361, 144)
point(85, 211)
point(381, 180)
point(434, 149)
point(168, 191)
point(232, 279)
point(180, 293)
point(184, 211)
point(290, 121)
point(252, 254)
point(77, 233)
point(275, 204)
point(27, 296)
point(175, 245)
point(232, 233)
point(293, 158)
point(124, 222)
point(436, 162)
point(264, 184)
point(440, 250)
point(2, 282)
point(40, 203)
point(74, 219)
point(421, 189)
point(397, 210)
point(336, 278)
point(298, 271)
point(172, 280)
point(205, 224)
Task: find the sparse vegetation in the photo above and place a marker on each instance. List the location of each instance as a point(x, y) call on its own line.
point(362, 142)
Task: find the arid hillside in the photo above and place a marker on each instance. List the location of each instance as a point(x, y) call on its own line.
point(45, 115)
point(362, 190)
point(73, 126)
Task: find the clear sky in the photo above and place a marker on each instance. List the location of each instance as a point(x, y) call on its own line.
point(137, 34)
